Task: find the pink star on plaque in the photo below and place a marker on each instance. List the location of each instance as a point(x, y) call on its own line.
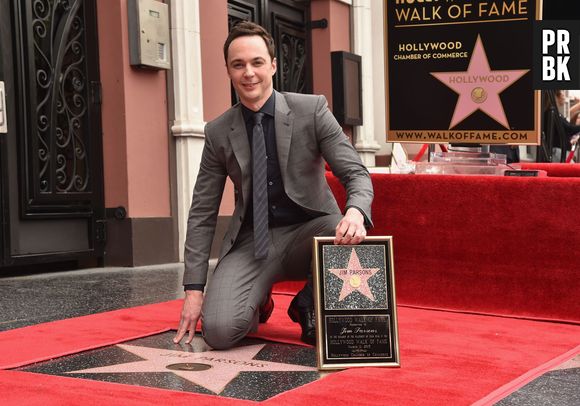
point(355, 278)
point(219, 368)
point(479, 87)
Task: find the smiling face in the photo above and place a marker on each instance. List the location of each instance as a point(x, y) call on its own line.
point(251, 68)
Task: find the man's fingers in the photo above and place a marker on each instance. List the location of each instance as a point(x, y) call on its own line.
point(352, 231)
point(341, 228)
point(357, 239)
point(178, 336)
point(349, 233)
point(180, 331)
point(191, 334)
point(190, 314)
point(186, 325)
point(341, 232)
point(359, 236)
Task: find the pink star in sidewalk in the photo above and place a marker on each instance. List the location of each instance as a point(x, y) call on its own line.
point(355, 278)
point(479, 87)
point(221, 367)
point(573, 363)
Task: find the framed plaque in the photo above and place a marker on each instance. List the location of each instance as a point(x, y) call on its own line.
point(354, 295)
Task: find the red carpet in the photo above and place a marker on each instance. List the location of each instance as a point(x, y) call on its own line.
point(447, 358)
point(529, 376)
point(484, 244)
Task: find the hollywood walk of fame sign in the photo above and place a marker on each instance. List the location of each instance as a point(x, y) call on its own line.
point(354, 292)
point(460, 71)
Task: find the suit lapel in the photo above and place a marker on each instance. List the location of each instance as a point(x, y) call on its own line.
point(283, 121)
point(239, 141)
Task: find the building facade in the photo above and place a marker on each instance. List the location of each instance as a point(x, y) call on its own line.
point(99, 157)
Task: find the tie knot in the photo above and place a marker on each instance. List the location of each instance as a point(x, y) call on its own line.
point(258, 118)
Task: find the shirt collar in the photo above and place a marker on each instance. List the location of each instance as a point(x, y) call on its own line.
point(268, 108)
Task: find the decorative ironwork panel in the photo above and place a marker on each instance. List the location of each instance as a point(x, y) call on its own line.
point(292, 54)
point(59, 139)
point(61, 97)
point(52, 179)
point(288, 25)
point(241, 11)
point(60, 163)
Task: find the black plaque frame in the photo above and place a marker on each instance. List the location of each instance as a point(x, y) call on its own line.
point(354, 330)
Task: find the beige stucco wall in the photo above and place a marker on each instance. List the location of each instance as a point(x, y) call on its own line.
point(216, 84)
point(134, 117)
point(334, 38)
point(113, 108)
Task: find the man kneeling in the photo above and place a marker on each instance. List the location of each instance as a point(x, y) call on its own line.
point(273, 147)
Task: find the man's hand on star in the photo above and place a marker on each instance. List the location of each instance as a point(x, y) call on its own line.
point(190, 314)
point(351, 229)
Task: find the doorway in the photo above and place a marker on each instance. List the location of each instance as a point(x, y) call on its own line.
point(51, 171)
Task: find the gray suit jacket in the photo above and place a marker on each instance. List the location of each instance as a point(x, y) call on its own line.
point(307, 135)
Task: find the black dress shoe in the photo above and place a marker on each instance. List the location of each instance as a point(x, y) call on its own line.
point(304, 316)
point(265, 310)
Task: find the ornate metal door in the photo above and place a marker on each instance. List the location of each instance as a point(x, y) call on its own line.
point(287, 21)
point(52, 153)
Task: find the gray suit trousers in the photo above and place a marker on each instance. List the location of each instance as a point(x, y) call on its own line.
point(240, 283)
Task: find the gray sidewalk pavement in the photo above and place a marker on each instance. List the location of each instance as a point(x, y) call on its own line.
point(42, 297)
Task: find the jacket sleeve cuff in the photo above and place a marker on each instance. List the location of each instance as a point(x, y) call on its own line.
point(194, 286)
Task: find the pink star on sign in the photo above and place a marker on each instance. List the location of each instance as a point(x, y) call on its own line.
point(479, 87)
point(355, 278)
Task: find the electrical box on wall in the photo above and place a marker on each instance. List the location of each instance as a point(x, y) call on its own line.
point(149, 39)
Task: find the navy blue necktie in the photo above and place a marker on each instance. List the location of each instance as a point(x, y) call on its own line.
point(260, 189)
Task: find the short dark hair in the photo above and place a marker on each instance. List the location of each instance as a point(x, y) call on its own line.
point(248, 29)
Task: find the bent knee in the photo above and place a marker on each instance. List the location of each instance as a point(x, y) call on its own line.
point(224, 334)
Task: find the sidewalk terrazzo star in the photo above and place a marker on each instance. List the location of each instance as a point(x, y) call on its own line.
point(219, 368)
point(573, 363)
point(479, 87)
point(355, 278)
